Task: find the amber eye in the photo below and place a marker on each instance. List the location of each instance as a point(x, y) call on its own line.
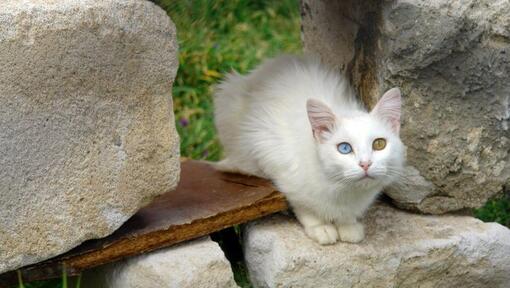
point(379, 144)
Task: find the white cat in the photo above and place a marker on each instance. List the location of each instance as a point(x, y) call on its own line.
point(296, 122)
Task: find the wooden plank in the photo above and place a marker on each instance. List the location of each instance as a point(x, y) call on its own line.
point(205, 201)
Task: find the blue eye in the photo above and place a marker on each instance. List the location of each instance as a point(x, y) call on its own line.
point(344, 148)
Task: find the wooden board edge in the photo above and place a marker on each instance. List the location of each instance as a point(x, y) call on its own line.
point(275, 202)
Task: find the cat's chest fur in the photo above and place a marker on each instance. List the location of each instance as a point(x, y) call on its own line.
point(326, 198)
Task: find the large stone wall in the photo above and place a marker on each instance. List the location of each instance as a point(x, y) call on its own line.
point(452, 62)
point(87, 132)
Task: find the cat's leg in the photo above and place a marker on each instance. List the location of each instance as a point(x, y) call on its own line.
point(350, 230)
point(319, 230)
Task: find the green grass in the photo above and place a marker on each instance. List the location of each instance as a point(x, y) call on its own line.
point(63, 282)
point(216, 37)
point(55, 283)
point(20, 280)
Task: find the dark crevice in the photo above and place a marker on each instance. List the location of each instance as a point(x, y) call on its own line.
point(362, 70)
point(230, 241)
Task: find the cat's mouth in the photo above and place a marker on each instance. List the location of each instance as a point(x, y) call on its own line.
point(366, 176)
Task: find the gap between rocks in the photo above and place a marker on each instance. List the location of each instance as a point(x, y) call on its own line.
point(230, 241)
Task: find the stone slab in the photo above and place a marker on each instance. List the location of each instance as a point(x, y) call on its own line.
point(401, 250)
point(87, 133)
point(198, 263)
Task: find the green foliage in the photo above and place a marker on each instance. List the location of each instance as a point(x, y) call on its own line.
point(496, 210)
point(55, 283)
point(241, 275)
point(20, 280)
point(216, 37)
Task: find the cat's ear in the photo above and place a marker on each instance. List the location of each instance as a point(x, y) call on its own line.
point(388, 108)
point(321, 118)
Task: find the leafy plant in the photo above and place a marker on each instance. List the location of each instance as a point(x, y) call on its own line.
point(56, 283)
point(496, 210)
point(20, 280)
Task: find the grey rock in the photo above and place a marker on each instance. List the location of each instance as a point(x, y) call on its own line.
point(87, 132)
point(199, 263)
point(401, 250)
point(452, 62)
point(410, 193)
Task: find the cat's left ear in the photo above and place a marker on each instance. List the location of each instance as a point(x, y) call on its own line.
point(388, 108)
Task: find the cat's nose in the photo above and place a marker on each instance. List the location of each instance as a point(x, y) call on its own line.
point(365, 165)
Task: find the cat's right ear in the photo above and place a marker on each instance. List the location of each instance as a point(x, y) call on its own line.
point(388, 108)
point(321, 118)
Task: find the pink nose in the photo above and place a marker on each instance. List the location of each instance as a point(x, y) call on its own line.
point(365, 165)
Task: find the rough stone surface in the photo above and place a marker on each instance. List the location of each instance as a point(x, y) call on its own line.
point(86, 123)
point(401, 250)
point(452, 62)
point(199, 263)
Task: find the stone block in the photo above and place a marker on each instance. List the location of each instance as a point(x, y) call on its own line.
point(199, 263)
point(87, 132)
point(401, 250)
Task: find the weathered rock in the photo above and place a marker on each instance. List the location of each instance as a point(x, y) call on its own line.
point(452, 62)
point(401, 250)
point(199, 263)
point(86, 123)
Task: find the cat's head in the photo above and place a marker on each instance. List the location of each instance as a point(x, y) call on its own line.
point(365, 148)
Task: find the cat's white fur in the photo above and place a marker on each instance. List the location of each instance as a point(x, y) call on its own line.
point(275, 123)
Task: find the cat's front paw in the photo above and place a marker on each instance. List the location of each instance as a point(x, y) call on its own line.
point(323, 234)
point(353, 233)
